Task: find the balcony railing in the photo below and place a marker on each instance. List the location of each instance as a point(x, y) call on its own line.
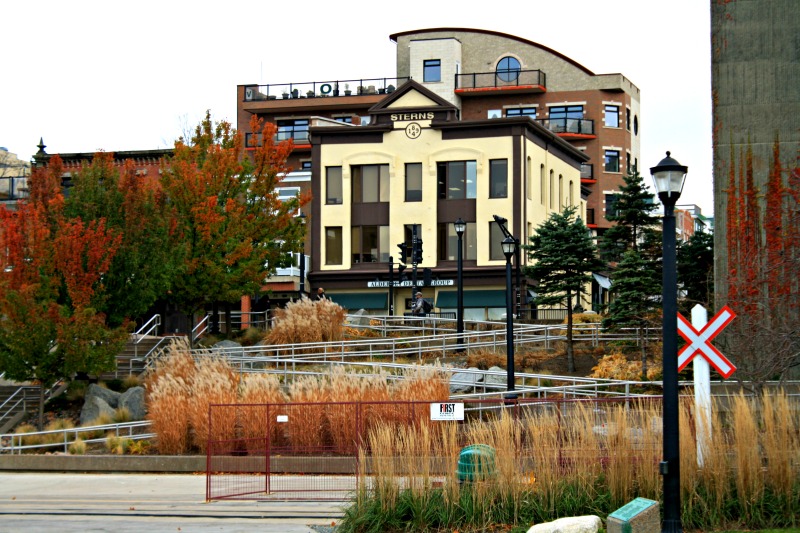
point(300, 136)
point(320, 89)
point(576, 126)
point(503, 80)
point(587, 171)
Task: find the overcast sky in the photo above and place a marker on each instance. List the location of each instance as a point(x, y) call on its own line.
point(89, 75)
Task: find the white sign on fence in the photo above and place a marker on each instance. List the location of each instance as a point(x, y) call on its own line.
point(447, 411)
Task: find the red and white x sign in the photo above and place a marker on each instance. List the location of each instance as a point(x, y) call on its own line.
point(700, 342)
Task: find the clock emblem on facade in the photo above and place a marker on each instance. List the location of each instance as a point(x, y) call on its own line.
point(413, 130)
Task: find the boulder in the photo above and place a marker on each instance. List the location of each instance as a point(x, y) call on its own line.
point(227, 344)
point(93, 407)
point(576, 524)
point(496, 379)
point(465, 381)
point(133, 400)
point(109, 396)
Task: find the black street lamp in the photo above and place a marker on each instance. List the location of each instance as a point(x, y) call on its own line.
point(509, 246)
point(302, 217)
point(460, 227)
point(669, 176)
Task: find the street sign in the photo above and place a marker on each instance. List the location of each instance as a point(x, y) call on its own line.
point(700, 342)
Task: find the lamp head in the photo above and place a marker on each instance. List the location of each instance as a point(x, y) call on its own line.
point(669, 177)
point(500, 220)
point(509, 246)
point(460, 226)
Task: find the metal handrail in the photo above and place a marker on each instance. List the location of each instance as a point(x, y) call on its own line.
point(319, 89)
point(147, 328)
point(16, 447)
point(200, 329)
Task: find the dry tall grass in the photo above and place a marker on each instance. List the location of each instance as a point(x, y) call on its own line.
point(572, 454)
point(307, 321)
point(257, 390)
point(214, 382)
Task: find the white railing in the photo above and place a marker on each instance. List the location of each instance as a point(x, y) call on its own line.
point(12, 442)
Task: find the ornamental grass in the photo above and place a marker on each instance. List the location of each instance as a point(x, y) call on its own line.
point(577, 458)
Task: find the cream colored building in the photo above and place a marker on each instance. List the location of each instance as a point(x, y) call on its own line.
point(418, 166)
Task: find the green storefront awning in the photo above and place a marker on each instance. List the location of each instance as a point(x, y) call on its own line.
point(479, 298)
point(353, 301)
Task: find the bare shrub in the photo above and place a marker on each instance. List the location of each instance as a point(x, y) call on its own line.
point(307, 321)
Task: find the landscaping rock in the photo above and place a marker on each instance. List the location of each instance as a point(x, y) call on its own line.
point(465, 381)
point(109, 396)
point(133, 400)
point(93, 408)
point(576, 524)
point(227, 344)
point(496, 379)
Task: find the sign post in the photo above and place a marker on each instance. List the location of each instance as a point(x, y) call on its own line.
point(698, 335)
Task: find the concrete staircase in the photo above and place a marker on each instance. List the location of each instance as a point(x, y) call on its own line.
point(131, 360)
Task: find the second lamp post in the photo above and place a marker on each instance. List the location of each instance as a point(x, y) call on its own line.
point(509, 247)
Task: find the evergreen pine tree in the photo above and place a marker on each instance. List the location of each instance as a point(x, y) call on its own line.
point(633, 214)
point(565, 256)
point(637, 297)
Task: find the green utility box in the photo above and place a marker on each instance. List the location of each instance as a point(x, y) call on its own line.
point(476, 463)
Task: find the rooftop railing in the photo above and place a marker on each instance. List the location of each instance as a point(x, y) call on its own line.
point(321, 89)
point(501, 80)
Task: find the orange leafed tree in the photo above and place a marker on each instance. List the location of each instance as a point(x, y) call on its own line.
point(235, 227)
point(50, 274)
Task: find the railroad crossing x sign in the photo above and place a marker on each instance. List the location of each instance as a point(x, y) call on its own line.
point(700, 342)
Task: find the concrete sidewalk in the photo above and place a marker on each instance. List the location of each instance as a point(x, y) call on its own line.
point(127, 503)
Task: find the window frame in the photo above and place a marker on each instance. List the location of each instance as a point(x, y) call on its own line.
point(444, 180)
point(358, 244)
point(413, 194)
point(608, 158)
point(380, 186)
point(496, 238)
point(496, 180)
point(330, 176)
point(508, 73)
point(447, 242)
point(521, 112)
point(334, 247)
point(612, 110)
point(431, 68)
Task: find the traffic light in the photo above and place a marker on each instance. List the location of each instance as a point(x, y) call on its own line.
point(427, 276)
point(418, 251)
point(400, 269)
point(403, 252)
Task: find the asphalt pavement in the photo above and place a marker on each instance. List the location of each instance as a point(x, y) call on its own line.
point(127, 503)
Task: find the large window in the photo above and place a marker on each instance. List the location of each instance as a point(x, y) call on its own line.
point(370, 183)
point(496, 238)
point(370, 244)
point(612, 116)
point(432, 70)
point(287, 193)
point(293, 129)
point(566, 118)
point(521, 112)
point(457, 180)
point(333, 245)
point(508, 69)
point(413, 182)
point(333, 185)
point(611, 205)
point(498, 178)
point(612, 160)
point(448, 243)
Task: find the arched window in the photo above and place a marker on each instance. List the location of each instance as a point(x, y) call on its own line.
point(508, 69)
point(541, 184)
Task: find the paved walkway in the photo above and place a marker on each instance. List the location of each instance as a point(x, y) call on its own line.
point(127, 503)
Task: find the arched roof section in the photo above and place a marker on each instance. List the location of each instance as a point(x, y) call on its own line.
point(395, 36)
